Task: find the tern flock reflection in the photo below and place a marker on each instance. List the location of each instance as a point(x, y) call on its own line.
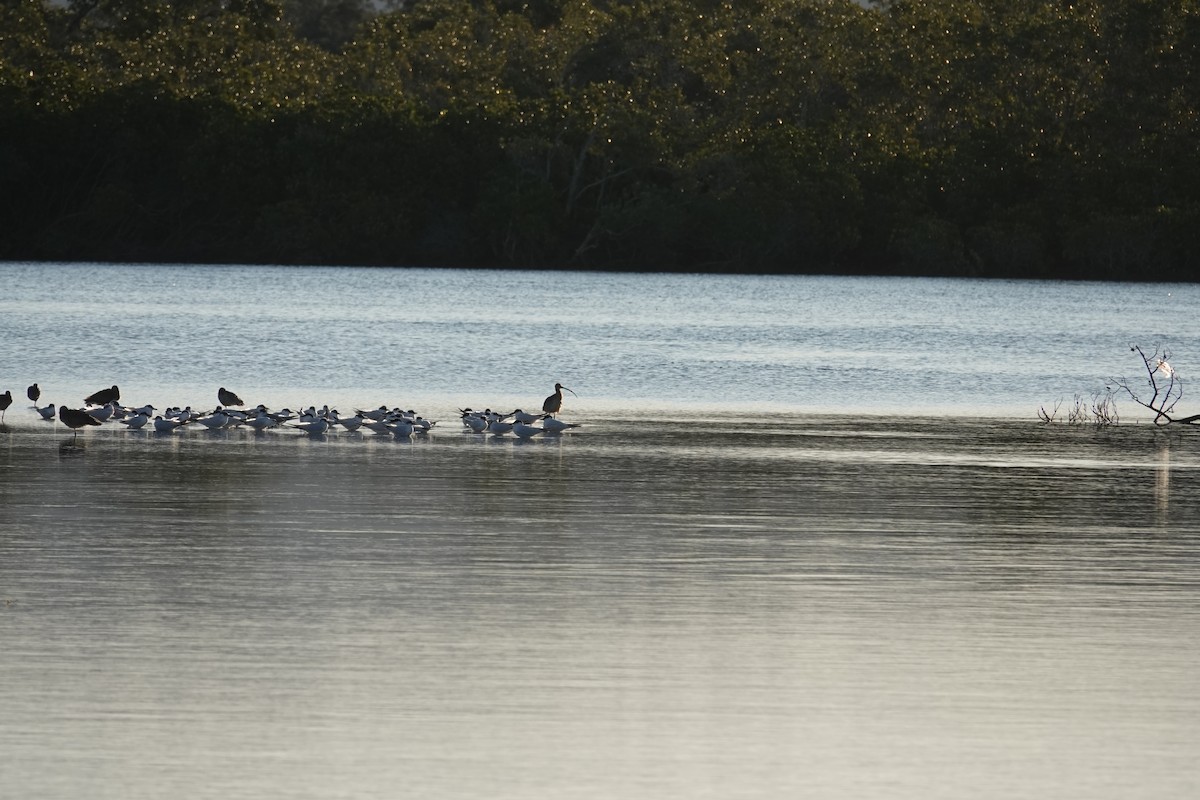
point(104, 407)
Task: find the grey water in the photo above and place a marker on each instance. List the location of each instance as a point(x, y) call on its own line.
point(810, 540)
point(637, 345)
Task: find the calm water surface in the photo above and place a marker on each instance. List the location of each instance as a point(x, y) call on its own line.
point(699, 594)
point(629, 344)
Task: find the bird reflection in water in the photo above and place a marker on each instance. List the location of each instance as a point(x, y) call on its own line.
point(1162, 478)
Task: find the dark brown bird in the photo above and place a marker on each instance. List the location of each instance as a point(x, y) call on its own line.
point(553, 403)
point(5, 402)
point(33, 393)
point(76, 418)
point(103, 397)
point(228, 398)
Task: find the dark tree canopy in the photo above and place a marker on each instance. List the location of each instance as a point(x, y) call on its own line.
point(953, 137)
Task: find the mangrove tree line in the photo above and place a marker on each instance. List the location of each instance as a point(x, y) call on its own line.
point(956, 137)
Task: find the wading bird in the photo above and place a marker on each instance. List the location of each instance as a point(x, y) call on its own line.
point(33, 393)
point(76, 418)
point(228, 398)
point(553, 403)
point(5, 402)
point(103, 397)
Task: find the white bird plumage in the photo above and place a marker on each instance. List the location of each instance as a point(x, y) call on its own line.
point(499, 427)
point(475, 422)
point(377, 426)
point(351, 424)
point(103, 413)
point(315, 428)
point(135, 422)
point(262, 421)
point(526, 431)
point(215, 421)
point(165, 425)
point(525, 417)
point(313, 420)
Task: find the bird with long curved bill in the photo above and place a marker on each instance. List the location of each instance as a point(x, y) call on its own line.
point(553, 403)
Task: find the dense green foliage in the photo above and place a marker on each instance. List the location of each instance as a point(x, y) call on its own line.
point(982, 137)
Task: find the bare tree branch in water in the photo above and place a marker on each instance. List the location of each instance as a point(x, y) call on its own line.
point(1104, 408)
point(1164, 384)
point(1101, 411)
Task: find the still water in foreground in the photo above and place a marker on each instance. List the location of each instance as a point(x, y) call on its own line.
point(798, 606)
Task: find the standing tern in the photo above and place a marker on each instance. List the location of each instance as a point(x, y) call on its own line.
point(474, 422)
point(351, 424)
point(526, 431)
point(262, 421)
point(167, 425)
point(377, 426)
point(103, 413)
point(314, 428)
point(525, 416)
point(499, 427)
point(216, 420)
point(554, 425)
point(136, 422)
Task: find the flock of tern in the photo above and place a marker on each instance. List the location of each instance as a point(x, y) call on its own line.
point(104, 406)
